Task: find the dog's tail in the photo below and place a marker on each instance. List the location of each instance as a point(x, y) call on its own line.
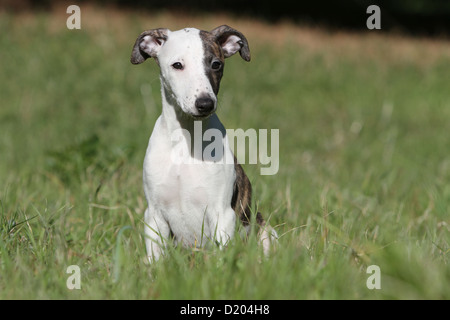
point(241, 204)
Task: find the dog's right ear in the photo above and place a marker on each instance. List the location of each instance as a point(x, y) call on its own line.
point(147, 45)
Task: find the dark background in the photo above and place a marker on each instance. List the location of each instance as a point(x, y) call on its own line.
point(413, 17)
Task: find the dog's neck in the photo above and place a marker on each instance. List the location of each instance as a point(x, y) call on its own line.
point(175, 118)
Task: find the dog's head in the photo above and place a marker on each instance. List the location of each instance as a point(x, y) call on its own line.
point(191, 63)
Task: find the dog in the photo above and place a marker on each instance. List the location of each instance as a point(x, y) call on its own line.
point(194, 198)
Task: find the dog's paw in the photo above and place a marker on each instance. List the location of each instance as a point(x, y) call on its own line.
point(268, 238)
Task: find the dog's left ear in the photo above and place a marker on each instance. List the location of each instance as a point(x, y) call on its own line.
point(231, 42)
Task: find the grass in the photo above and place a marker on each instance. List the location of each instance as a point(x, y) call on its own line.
point(364, 173)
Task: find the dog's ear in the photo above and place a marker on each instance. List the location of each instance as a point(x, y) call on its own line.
point(231, 42)
point(147, 45)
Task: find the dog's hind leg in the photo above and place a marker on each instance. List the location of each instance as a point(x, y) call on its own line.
point(241, 204)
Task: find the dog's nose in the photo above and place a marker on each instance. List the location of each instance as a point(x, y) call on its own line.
point(204, 105)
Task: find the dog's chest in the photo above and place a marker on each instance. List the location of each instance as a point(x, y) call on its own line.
point(189, 197)
point(184, 187)
point(188, 194)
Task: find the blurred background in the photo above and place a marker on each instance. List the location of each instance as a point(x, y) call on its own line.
point(431, 17)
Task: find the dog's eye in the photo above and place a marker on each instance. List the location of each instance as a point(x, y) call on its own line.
point(178, 66)
point(216, 65)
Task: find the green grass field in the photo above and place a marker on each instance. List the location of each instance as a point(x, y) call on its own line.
point(364, 175)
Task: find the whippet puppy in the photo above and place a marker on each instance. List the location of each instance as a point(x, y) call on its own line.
point(193, 199)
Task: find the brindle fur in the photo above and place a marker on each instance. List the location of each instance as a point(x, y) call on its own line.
point(242, 198)
point(212, 52)
point(223, 32)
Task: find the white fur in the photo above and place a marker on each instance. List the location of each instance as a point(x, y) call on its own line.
point(191, 199)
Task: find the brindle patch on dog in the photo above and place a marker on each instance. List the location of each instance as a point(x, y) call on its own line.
point(223, 32)
point(242, 198)
point(213, 53)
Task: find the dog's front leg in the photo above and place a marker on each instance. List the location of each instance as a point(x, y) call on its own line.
point(157, 232)
point(223, 225)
